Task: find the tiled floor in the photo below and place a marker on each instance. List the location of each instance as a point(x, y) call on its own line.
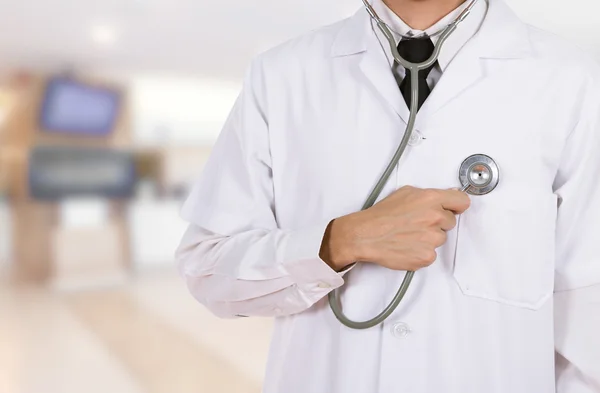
point(149, 336)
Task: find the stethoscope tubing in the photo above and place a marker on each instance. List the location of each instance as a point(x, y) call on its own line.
point(414, 68)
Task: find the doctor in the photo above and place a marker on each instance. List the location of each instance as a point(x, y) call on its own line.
point(506, 294)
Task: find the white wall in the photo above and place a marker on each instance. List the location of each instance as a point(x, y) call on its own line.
point(5, 235)
point(577, 20)
point(179, 110)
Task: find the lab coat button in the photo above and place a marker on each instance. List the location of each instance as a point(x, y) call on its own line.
point(400, 330)
point(416, 138)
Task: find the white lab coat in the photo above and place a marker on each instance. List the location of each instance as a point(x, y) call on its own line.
point(317, 122)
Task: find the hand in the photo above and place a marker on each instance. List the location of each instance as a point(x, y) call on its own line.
point(402, 232)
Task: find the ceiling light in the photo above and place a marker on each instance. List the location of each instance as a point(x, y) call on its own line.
point(104, 35)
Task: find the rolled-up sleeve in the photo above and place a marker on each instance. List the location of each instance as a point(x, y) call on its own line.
point(235, 258)
point(577, 280)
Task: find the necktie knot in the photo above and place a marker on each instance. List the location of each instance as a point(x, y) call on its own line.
point(417, 50)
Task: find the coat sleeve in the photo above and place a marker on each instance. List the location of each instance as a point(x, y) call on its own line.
point(235, 258)
point(577, 280)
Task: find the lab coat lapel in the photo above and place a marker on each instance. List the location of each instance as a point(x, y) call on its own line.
point(464, 72)
point(358, 37)
point(502, 36)
point(378, 75)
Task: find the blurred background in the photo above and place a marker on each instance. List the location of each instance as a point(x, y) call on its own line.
point(108, 111)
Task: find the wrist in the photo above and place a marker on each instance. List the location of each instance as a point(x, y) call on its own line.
point(338, 249)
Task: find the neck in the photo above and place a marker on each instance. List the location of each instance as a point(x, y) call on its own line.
point(422, 14)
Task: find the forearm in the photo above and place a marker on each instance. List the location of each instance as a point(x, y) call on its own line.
point(279, 297)
point(256, 273)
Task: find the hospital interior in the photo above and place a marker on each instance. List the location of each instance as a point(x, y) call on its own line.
point(108, 113)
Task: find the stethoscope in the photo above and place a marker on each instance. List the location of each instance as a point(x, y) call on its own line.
point(478, 174)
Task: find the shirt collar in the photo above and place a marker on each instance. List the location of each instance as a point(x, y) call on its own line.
point(465, 31)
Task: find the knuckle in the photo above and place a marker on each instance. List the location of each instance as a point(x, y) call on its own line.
point(441, 238)
point(453, 222)
point(425, 237)
point(435, 216)
point(449, 220)
point(430, 195)
point(442, 215)
point(428, 256)
point(406, 190)
point(435, 238)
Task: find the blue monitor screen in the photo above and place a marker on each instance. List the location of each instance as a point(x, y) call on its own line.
point(73, 107)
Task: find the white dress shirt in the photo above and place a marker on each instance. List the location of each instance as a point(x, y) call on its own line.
point(316, 123)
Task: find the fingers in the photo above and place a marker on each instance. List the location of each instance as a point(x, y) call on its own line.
point(447, 221)
point(424, 255)
point(438, 238)
point(454, 200)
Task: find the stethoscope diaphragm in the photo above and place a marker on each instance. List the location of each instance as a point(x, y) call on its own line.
point(479, 174)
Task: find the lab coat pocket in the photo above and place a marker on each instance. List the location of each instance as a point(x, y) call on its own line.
point(505, 249)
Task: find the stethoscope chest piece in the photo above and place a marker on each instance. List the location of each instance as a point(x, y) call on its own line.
point(479, 174)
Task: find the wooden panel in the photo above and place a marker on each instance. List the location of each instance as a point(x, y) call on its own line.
point(35, 222)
